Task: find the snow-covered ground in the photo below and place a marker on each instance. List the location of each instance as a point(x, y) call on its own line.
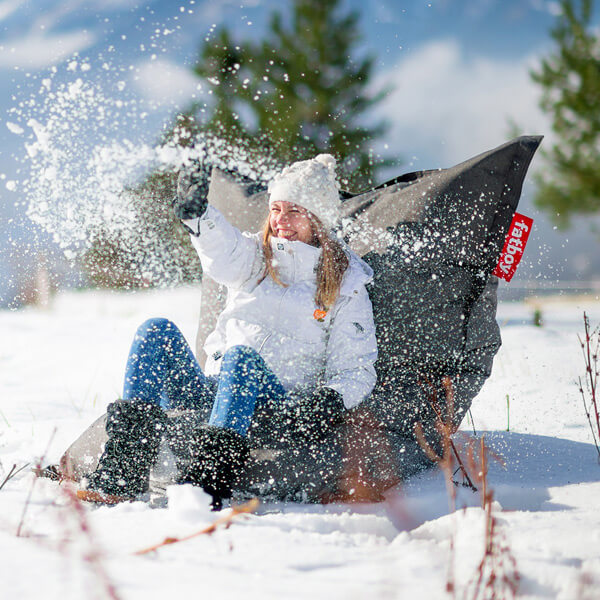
point(61, 366)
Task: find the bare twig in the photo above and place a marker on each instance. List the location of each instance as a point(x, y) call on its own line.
point(28, 500)
point(5, 419)
point(496, 577)
point(445, 428)
point(472, 422)
point(589, 347)
point(94, 556)
point(226, 521)
point(12, 473)
point(587, 586)
point(589, 417)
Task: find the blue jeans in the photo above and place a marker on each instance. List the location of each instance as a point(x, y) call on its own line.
point(162, 369)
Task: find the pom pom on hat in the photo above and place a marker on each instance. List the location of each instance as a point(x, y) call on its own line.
point(327, 160)
point(312, 185)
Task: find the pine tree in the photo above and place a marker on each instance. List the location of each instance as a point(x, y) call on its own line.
point(302, 91)
point(570, 79)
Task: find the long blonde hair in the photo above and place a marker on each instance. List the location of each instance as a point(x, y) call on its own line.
point(332, 265)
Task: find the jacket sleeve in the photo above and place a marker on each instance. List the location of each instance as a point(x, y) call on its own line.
point(229, 256)
point(352, 349)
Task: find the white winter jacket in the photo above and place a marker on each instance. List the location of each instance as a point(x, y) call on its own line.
point(280, 323)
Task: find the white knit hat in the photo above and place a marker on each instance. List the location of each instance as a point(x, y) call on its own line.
point(310, 184)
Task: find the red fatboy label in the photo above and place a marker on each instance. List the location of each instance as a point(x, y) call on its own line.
point(516, 239)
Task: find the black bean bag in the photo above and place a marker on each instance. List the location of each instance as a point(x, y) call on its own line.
point(434, 297)
point(433, 239)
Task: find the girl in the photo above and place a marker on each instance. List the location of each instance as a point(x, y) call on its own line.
point(292, 352)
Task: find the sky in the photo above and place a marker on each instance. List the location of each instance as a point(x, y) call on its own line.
point(457, 74)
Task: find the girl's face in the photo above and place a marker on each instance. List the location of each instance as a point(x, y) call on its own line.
point(291, 222)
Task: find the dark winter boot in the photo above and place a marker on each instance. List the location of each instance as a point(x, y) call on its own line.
point(134, 431)
point(219, 454)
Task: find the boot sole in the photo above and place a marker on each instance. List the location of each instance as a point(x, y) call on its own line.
point(101, 498)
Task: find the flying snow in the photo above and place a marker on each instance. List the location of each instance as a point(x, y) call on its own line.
point(14, 128)
point(85, 162)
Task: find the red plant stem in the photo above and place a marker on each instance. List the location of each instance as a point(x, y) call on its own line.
point(589, 418)
point(589, 369)
point(462, 466)
point(483, 472)
point(28, 500)
point(448, 427)
point(591, 360)
point(13, 473)
point(10, 474)
point(93, 557)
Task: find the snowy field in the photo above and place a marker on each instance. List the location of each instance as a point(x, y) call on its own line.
point(61, 366)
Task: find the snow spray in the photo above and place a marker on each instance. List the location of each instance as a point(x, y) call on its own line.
point(84, 160)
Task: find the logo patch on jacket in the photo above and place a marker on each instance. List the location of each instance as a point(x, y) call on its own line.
point(359, 327)
point(319, 314)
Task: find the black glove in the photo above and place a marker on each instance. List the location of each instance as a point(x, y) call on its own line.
point(192, 192)
point(318, 414)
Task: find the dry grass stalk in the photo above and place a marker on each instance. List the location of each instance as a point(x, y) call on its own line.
point(497, 570)
point(590, 346)
point(226, 521)
point(497, 576)
point(12, 473)
point(93, 557)
point(446, 462)
point(29, 495)
point(445, 428)
point(588, 586)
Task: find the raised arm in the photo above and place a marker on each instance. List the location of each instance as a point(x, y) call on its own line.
point(229, 256)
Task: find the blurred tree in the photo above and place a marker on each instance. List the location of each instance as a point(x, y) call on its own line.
point(570, 80)
point(154, 251)
point(300, 92)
